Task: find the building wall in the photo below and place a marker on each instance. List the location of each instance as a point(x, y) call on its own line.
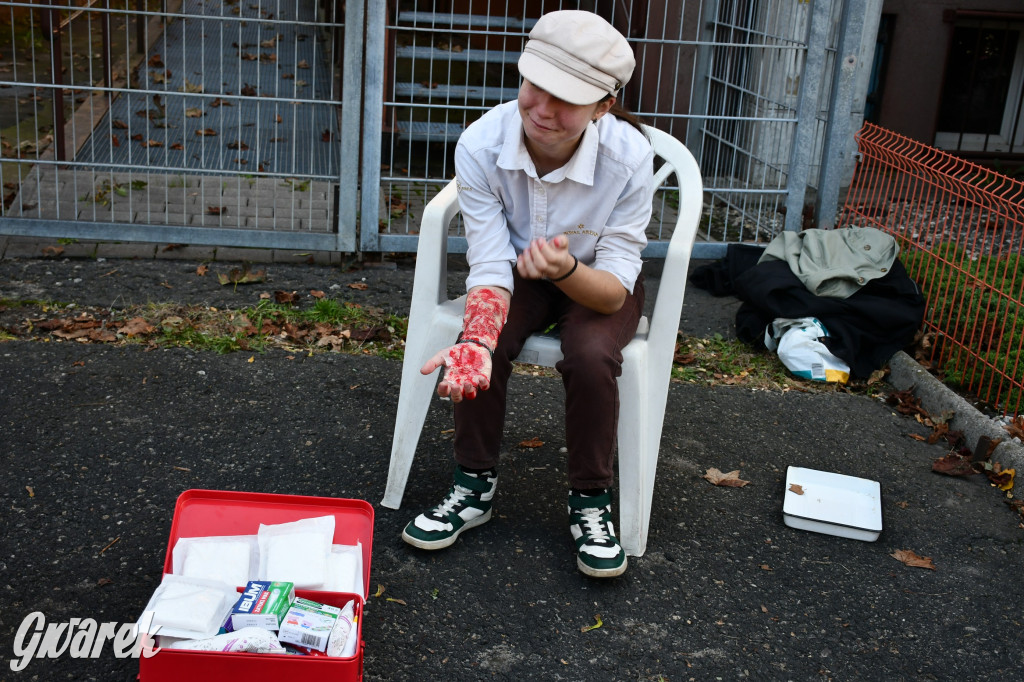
point(917, 61)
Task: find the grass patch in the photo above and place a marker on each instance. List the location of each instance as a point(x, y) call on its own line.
point(717, 360)
point(329, 325)
point(326, 325)
point(972, 301)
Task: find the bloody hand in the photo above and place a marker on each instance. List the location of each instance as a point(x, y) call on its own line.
point(468, 363)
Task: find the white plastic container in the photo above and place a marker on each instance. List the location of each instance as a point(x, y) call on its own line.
point(834, 504)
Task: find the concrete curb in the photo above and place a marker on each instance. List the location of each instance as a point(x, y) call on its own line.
point(936, 397)
point(38, 248)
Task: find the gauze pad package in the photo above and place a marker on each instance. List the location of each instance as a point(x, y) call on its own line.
point(296, 552)
point(345, 569)
point(193, 608)
point(232, 559)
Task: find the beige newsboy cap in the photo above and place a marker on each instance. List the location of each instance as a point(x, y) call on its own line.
point(576, 56)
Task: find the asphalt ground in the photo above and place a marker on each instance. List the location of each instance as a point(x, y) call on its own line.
point(107, 437)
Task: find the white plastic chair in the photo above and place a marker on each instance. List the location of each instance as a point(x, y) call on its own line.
point(435, 322)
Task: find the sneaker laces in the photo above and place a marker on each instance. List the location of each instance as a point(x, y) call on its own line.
point(455, 497)
point(593, 525)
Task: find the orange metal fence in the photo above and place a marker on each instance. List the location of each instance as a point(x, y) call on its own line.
point(960, 228)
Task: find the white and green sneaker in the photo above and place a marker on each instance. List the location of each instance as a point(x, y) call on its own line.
point(598, 552)
point(467, 505)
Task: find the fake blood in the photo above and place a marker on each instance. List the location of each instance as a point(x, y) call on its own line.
point(468, 364)
point(485, 315)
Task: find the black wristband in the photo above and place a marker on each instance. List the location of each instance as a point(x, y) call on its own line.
point(479, 343)
point(575, 264)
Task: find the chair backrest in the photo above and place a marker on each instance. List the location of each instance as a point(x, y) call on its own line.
point(676, 159)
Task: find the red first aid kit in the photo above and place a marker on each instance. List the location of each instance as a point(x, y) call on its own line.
point(204, 513)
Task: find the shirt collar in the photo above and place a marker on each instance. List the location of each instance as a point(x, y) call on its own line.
point(514, 155)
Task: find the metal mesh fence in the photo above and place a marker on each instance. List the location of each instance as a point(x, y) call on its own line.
point(960, 228)
point(724, 76)
point(189, 113)
point(259, 122)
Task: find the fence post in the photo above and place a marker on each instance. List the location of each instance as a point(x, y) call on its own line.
point(107, 70)
point(351, 133)
point(702, 61)
point(807, 113)
point(372, 133)
point(859, 19)
point(56, 77)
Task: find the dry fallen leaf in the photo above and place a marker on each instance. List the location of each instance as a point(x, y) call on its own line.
point(316, 293)
point(202, 270)
point(361, 286)
point(798, 489)
point(286, 297)
point(397, 601)
point(954, 464)
point(380, 590)
point(731, 479)
point(31, 493)
point(1016, 427)
point(137, 326)
point(597, 623)
point(531, 443)
point(910, 558)
point(1001, 478)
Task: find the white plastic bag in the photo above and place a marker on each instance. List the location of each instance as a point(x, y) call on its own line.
point(798, 344)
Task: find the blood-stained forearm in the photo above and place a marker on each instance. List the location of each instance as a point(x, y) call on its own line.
point(468, 363)
point(486, 310)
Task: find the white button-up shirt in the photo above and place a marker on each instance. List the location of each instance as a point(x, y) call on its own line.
point(601, 199)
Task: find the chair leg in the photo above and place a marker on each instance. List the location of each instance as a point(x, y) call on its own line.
point(641, 418)
point(633, 474)
point(414, 399)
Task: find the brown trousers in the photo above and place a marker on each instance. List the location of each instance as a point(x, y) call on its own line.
point(592, 344)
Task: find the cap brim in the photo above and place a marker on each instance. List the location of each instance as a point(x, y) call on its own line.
point(553, 80)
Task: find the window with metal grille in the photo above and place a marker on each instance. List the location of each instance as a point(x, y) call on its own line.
point(983, 88)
